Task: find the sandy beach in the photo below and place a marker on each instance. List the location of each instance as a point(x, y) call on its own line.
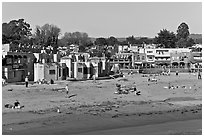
point(93, 108)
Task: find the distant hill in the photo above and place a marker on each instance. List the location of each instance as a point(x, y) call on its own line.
point(121, 39)
point(197, 38)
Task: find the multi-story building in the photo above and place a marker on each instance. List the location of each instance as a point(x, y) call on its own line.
point(196, 57)
point(125, 60)
point(150, 57)
point(139, 59)
point(162, 57)
point(180, 58)
point(17, 65)
point(47, 67)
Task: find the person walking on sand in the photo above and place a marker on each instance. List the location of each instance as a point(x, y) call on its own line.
point(26, 81)
point(135, 89)
point(177, 73)
point(67, 89)
point(199, 74)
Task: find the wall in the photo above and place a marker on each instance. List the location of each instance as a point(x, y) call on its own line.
point(42, 71)
point(13, 75)
point(20, 63)
point(39, 72)
point(49, 67)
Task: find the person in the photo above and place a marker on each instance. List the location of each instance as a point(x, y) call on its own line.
point(26, 81)
point(148, 79)
point(3, 81)
point(131, 72)
point(135, 89)
point(177, 73)
point(51, 81)
point(118, 88)
point(94, 78)
point(169, 72)
point(17, 104)
point(67, 89)
point(199, 74)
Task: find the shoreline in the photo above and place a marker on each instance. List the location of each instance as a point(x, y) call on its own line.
point(59, 123)
point(96, 109)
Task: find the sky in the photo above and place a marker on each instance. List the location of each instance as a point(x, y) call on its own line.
point(105, 19)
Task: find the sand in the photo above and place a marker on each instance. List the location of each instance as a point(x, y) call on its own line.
point(95, 109)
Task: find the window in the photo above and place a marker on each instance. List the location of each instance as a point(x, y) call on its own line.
point(15, 61)
point(28, 60)
point(59, 72)
point(51, 72)
point(149, 51)
point(79, 69)
point(14, 74)
point(8, 61)
point(143, 58)
point(85, 70)
point(138, 57)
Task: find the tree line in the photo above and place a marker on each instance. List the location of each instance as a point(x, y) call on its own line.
point(18, 34)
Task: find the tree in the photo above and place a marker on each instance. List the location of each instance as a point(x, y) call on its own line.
point(101, 41)
point(80, 38)
point(75, 38)
point(16, 32)
point(123, 42)
point(182, 35)
point(47, 35)
point(112, 41)
point(190, 42)
point(165, 39)
point(182, 31)
point(131, 40)
point(85, 46)
point(144, 40)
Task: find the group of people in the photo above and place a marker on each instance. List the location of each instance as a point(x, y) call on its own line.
point(16, 105)
point(120, 89)
point(51, 82)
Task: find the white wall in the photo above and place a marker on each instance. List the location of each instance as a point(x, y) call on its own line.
point(38, 71)
point(5, 47)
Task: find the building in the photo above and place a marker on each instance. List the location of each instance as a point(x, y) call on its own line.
point(150, 57)
point(162, 57)
point(47, 67)
point(125, 60)
point(82, 70)
point(17, 65)
point(139, 60)
point(74, 48)
point(196, 57)
point(82, 66)
point(180, 59)
point(66, 62)
point(5, 47)
point(47, 71)
point(100, 67)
